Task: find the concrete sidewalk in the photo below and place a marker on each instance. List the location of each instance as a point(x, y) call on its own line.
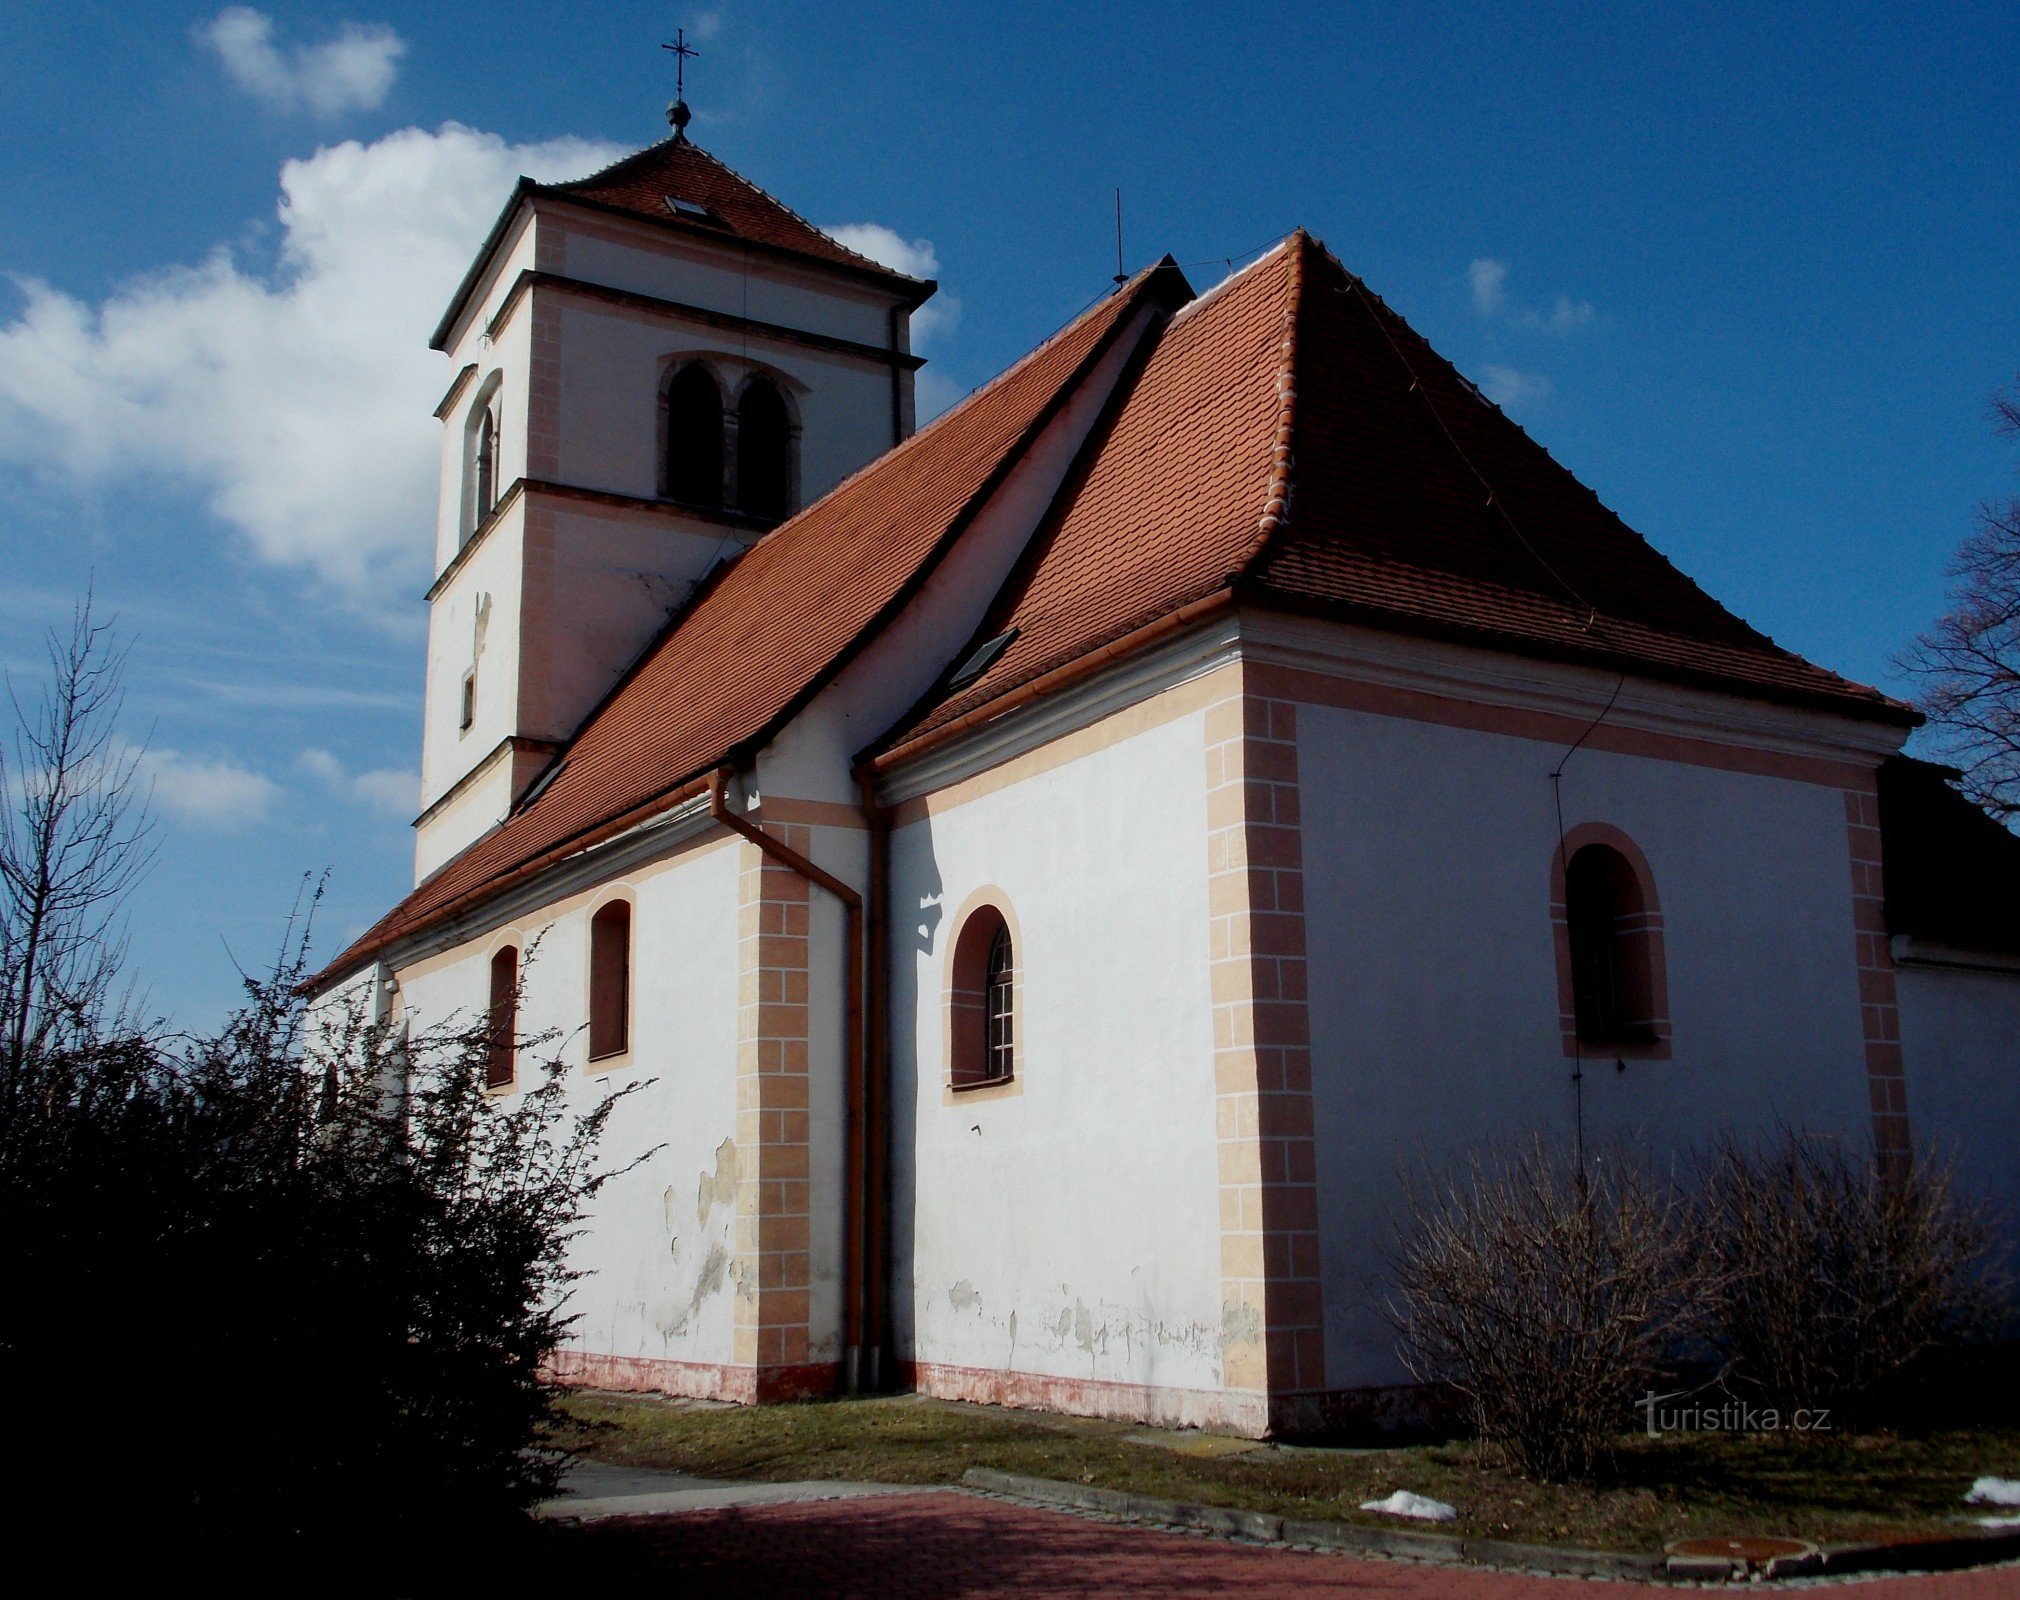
point(592, 1491)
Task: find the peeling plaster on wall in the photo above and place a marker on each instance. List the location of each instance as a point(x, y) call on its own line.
point(1240, 1323)
point(962, 1297)
point(719, 1187)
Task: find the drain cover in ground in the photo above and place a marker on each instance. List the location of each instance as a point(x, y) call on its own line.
point(1753, 1549)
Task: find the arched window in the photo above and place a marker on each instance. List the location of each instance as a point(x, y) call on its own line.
point(763, 451)
point(502, 1020)
point(1613, 963)
point(694, 437)
point(610, 980)
point(982, 1001)
point(486, 495)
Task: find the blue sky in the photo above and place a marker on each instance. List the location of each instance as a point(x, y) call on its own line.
point(1750, 271)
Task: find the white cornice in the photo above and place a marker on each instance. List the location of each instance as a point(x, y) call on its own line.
point(1519, 683)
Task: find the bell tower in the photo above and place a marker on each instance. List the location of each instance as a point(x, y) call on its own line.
point(654, 365)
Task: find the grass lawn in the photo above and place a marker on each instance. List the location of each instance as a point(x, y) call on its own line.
point(1826, 1488)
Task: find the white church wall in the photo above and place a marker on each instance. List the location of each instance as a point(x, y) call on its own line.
point(656, 1307)
point(479, 805)
point(724, 278)
point(1960, 1034)
point(1058, 1244)
point(1434, 990)
point(599, 585)
point(473, 626)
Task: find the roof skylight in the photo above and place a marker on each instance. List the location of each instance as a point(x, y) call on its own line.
point(981, 661)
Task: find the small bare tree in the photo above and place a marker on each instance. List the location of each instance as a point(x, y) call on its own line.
point(1547, 1294)
point(74, 840)
point(1969, 662)
point(1826, 1277)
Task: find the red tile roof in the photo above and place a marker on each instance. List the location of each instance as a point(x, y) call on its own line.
point(775, 626)
point(641, 184)
point(1294, 441)
point(1286, 440)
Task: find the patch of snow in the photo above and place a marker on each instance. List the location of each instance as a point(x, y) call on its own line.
point(1994, 1492)
point(1405, 1504)
point(1997, 1522)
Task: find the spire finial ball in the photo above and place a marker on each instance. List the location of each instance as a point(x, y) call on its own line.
point(679, 116)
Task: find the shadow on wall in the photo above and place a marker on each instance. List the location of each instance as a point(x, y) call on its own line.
point(915, 927)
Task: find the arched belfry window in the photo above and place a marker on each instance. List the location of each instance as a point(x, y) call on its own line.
point(694, 437)
point(1613, 938)
point(483, 441)
point(764, 456)
point(487, 461)
point(982, 1001)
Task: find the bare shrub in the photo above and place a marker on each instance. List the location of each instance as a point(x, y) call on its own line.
point(1826, 1277)
point(1545, 1294)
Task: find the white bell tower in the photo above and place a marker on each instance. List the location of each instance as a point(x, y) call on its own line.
point(654, 365)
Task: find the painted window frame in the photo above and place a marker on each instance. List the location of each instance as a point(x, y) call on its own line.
point(965, 995)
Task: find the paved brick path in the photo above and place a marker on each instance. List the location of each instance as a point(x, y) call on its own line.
point(939, 1546)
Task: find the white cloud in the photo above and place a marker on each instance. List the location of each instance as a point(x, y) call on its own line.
point(296, 401)
point(939, 316)
point(1489, 279)
point(351, 72)
point(392, 790)
point(1563, 316)
point(1512, 390)
point(215, 794)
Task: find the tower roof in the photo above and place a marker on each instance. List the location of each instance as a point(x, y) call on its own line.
point(724, 202)
point(677, 185)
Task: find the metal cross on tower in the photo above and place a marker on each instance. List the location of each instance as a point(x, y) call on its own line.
point(677, 113)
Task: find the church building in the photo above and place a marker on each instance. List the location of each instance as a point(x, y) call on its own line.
point(1056, 870)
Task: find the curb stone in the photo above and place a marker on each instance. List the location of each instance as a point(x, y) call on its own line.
point(1264, 1528)
point(1832, 1561)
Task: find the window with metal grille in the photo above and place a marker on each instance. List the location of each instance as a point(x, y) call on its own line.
point(999, 1041)
point(982, 1001)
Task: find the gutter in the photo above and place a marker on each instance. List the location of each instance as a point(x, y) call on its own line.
point(855, 1194)
point(876, 1086)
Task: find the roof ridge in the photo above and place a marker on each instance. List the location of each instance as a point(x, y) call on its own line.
point(1277, 495)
